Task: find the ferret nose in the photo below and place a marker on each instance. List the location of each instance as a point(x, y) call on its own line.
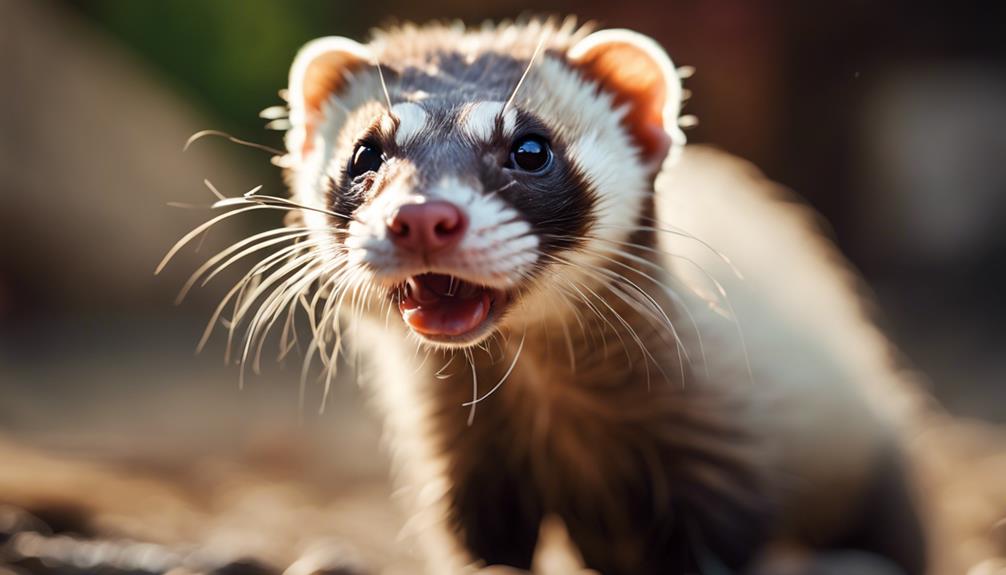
point(427, 227)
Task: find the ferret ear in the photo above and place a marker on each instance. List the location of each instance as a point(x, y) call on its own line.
point(319, 70)
point(641, 77)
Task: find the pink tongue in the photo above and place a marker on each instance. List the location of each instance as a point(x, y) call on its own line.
point(446, 315)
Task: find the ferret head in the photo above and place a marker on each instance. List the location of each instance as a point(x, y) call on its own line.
point(451, 173)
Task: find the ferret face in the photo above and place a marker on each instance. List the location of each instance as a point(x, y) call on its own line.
point(475, 175)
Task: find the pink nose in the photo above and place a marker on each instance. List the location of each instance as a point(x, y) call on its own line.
point(427, 227)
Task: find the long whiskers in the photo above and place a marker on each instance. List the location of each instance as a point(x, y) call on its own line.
point(260, 240)
point(682, 305)
point(523, 76)
point(384, 87)
point(721, 291)
point(516, 356)
point(628, 327)
point(475, 385)
point(302, 259)
point(615, 248)
point(658, 227)
point(204, 133)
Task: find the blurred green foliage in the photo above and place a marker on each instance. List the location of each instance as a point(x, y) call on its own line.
point(230, 56)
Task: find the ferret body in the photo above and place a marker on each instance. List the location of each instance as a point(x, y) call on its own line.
point(677, 367)
point(567, 318)
point(797, 453)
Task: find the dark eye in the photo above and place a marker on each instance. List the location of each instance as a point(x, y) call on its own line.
point(366, 158)
point(530, 154)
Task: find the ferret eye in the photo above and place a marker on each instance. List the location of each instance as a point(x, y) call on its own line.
point(530, 154)
point(366, 158)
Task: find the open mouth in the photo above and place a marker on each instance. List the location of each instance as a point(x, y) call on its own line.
point(446, 308)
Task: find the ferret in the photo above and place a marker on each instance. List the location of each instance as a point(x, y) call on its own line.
point(564, 312)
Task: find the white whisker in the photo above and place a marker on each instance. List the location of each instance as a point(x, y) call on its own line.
point(516, 356)
point(203, 133)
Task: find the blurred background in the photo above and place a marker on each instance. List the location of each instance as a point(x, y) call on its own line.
point(888, 117)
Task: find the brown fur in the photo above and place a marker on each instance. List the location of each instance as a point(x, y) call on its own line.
point(650, 470)
point(612, 450)
point(655, 460)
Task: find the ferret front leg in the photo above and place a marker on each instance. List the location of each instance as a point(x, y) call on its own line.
point(497, 515)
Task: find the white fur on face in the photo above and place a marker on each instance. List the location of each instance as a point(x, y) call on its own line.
point(328, 138)
point(598, 145)
point(478, 120)
point(411, 122)
point(498, 248)
point(499, 245)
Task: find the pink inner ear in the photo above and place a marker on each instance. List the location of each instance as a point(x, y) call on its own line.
point(326, 75)
point(635, 81)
